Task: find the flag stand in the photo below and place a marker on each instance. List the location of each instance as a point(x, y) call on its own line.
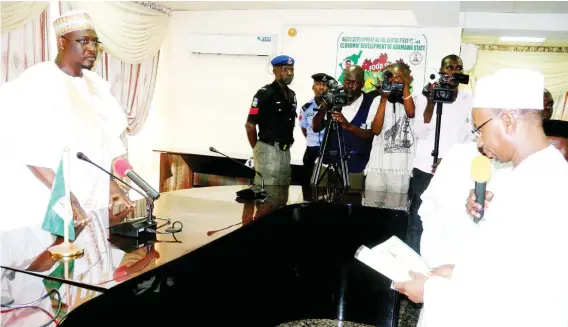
point(66, 251)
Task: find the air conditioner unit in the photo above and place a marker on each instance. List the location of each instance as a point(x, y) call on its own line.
point(223, 44)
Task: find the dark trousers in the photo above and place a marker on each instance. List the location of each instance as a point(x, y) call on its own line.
point(418, 184)
point(310, 156)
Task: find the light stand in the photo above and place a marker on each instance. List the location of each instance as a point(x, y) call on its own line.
point(340, 166)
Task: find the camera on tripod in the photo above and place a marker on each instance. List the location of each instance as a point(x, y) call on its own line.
point(394, 90)
point(335, 97)
point(444, 91)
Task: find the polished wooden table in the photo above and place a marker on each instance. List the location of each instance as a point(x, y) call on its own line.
point(234, 263)
point(187, 168)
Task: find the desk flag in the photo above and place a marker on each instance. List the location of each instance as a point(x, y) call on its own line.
point(59, 208)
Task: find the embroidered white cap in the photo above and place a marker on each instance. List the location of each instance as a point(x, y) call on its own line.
point(510, 88)
point(73, 21)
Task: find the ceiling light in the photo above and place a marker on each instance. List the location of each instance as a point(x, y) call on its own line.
point(522, 39)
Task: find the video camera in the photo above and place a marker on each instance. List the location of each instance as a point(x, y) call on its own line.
point(394, 90)
point(335, 97)
point(444, 91)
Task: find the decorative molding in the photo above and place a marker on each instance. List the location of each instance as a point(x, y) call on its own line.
point(516, 48)
point(155, 6)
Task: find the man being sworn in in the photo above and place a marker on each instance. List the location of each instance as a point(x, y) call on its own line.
point(63, 104)
point(512, 271)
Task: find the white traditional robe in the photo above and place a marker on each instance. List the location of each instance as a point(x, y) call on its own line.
point(513, 271)
point(46, 110)
point(444, 218)
point(447, 226)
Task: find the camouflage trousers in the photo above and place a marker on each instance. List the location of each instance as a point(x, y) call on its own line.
point(273, 163)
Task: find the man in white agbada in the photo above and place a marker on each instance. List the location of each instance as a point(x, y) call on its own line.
point(54, 105)
point(511, 272)
point(447, 227)
point(49, 107)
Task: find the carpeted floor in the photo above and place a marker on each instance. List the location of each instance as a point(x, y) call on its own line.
point(408, 317)
point(408, 314)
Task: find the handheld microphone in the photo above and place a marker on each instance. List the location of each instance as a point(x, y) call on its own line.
point(481, 170)
point(83, 157)
point(251, 193)
point(123, 167)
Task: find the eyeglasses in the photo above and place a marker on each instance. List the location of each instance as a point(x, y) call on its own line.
point(477, 132)
point(83, 42)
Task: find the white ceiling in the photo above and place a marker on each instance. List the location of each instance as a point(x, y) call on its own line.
point(468, 6)
point(477, 18)
point(527, 7)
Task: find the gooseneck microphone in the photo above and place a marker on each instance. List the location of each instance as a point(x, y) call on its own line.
point(138, 228)
point(212, 149)
point(83, 157)
point(251, 193)
point(481, 170)
point(123, 168)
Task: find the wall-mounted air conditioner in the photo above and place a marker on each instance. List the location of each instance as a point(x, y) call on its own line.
point(224, 44)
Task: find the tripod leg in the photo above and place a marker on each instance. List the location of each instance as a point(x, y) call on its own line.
point(323, 149)
point(343, 158)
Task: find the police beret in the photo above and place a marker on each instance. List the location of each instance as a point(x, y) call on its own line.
point(555, 128)
point(283, 60)
point(322, 77)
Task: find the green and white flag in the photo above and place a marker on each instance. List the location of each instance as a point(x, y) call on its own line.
point(59, 212)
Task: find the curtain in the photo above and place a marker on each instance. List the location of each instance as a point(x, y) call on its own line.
point(554, 66)
point(132, 85)
point(15, 14)
point(130, 31)
point(24, 46)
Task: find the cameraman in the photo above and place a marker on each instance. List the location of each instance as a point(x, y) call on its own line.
point(355, 118)
point(455, 128)
point(313, 139)
point(390, 165)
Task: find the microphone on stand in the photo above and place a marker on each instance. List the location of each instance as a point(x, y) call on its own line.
point(83, 157)
point(137, 228)
point(123, 168)
point(252, 193)
point(481, 170)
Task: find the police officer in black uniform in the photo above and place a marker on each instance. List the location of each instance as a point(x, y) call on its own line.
point(273, 109)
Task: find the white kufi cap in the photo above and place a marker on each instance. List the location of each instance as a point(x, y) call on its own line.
point(510, 88)
point(73, 21)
